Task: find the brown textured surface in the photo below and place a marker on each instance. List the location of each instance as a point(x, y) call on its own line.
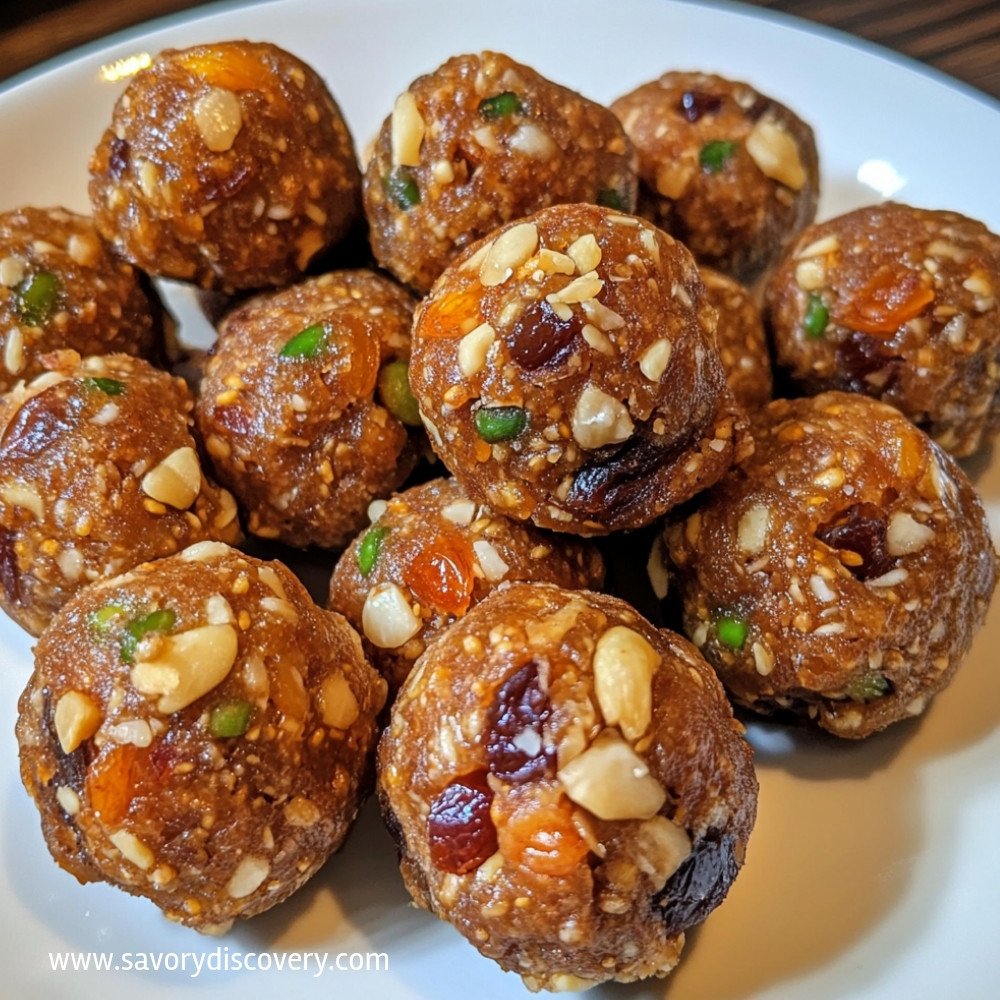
point(604, 907)
point(952, 35)
point(285, 792)
point(828, 609)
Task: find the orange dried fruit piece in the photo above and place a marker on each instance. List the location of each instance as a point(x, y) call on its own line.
point(892, 296)
point(114, 779)
point(536, 831)
point(453, 315)
point(229, 67)
point(440, 574)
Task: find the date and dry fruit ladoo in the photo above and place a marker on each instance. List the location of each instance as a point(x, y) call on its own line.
point(841, 573)
point(481, 141)
point(567, 785)
point(228, 164)
point(901, 304)
point(98, 473)
point(567, 372)
point(305, 406)
point(731, 172)
point(60, 287)
point(741, 339)
point(198, 732)
point(432, 553)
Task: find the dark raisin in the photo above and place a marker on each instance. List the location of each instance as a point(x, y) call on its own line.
point(10, 572)
point(699, 885)
point(859, 356)
point(219, 184)
point(695, 104)
point(460, 830)
point(515, 723)
point(118, 159)
point(860, 532)
point(39, 423)
point(759, 106)
point(539, 338)
point(234, 418)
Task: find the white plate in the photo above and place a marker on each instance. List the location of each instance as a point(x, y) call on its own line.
point(874, 869)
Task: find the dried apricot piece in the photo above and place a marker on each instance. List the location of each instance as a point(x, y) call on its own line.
point(892, 295)
point(539, 834)
point(440, 574)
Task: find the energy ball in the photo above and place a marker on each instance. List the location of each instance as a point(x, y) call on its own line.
point(481, 141)
point(198, 732)
point(229, 165)
point(567, 373)
point(305, 406)
point(899, 303)
point(61, 288)
point(732, 173)
point(98, 473)
point(567, 785)
point(432, 553)
point(842, 573)
point(741, 339)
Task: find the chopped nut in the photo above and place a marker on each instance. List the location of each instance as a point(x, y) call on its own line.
point(133, 849)
point(206, 551)
point(459, 512)
point(176, 480)
point(623, 666)
point(473, 348)
point(387, 618)
point(810, 274)
point(585, 253)
point(776, 153)
point(763, 659)
point(753, 529)
point(553, 262)
point(655, 359)
point(673, 177)
point(187, 666)
point(11, 271)
point(68, 800)
point(77, 718)
point(219, 119)
point(26, 497)
point(13, 350)
point(906, 535)
point(821, 247)
point(612, 781)
point(581, 289)
point(533, 141)
point(661, 847)
point(598, 339)
point(601, 316)
point(249, 875)
point(338, 707)
point(507, 252)
point(301, 812)
point(407, 131)
point(85, 250)
point(490, 560)
point(599, 419)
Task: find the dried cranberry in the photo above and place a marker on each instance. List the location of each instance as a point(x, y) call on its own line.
point(39, 423)
point(860, 529)
point(516, 720)
point(10, 573)
point(699, 885)
point(539, 338)
point(459, 829)
point(694, 104)
point(119, 158)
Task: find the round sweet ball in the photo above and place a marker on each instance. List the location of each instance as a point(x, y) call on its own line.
point(432, 553)
point(98, 473)
point(61, 288)
point(198, 732)
point(899, 303)
point(841, 576)
point(568, 786)
point(481, 141)
point(731, 172)
point(567, 372)
point(741, 339)
point(305, 406)
point(229, 165)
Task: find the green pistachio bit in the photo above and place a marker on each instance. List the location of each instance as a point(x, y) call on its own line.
point(500, 105)
point(868, 687)
point(109, 386)
point(715, 155)
point(37, 297)
point(156, 621)
point(394, 391)
point(229, 717)
point(732, 631)
point(402, 188)
point(102, 620)
point(306, 343)
point(500, 423)
point(816, 317)
point(370, 547)
point(610, 198)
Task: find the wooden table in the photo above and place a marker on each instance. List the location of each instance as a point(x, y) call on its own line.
point(960, 37)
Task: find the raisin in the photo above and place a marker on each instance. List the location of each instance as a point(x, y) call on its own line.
point(441, 574)
point(515, 723)
point(218, 186)
point(861, 529)
point(10, 572)
point(859, 356)
point(540, 339)
point(699, 885)
point(459, 829)
point(39, 423)
point(234, 418)
point(118, 159)
point(695, 104)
